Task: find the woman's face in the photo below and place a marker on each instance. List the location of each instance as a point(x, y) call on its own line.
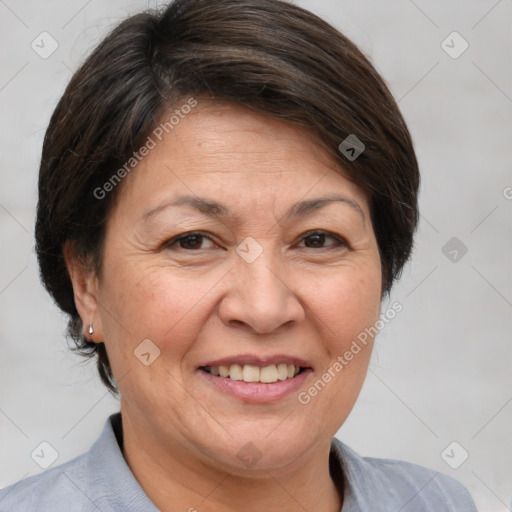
point(236, 245)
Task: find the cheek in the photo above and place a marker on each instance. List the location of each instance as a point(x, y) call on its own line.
point(346, 307)
point(346, 303)
point(155, 303)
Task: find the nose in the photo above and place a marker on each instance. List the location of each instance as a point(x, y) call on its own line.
point(260, 298)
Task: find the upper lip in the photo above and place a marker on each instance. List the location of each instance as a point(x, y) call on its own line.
point(258, 360)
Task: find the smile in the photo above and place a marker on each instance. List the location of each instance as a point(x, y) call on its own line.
point(256, 378)
point(253, 373)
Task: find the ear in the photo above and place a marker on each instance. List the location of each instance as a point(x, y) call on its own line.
point(85, 290)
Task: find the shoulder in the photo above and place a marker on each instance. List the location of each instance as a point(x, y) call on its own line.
point(58, 488)
point(100, 479)
point(386, 484)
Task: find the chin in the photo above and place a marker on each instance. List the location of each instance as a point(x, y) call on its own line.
point(262, 450)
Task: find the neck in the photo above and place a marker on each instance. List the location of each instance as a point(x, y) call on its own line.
point(174, 479)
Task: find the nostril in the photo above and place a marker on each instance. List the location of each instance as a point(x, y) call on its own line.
point(236, 323)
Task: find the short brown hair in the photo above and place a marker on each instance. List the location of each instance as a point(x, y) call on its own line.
point(269, 55)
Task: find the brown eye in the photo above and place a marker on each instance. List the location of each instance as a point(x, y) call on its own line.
point(317, 240)
point(189, 242)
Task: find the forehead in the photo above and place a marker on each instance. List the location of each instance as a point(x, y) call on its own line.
point(223, 150)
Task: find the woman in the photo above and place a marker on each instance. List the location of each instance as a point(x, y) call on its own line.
point(227, 192)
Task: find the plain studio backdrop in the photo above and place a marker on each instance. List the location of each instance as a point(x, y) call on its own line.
point(439, 389)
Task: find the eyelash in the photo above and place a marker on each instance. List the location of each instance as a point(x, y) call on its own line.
point(339, 242)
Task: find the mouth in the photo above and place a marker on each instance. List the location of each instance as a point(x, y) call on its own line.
point(254, 379)
point(251, 373)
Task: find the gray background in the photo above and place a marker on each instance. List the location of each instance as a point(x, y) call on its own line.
point(441, 371)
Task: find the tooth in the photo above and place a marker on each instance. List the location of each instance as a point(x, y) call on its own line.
point(251, 373)
point(235, 372)
point(268, 374)
point(282, 371)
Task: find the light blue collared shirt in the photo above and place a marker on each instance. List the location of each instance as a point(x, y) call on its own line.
point(101, 481)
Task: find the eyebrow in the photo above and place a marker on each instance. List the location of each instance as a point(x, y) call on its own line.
point(215, 209)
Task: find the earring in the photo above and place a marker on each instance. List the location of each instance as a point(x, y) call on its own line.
point(91, 330)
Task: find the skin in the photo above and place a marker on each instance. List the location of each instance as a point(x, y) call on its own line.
point(303, 296)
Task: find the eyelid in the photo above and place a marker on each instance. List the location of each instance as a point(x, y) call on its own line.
point(341, 241)
point(175, 240)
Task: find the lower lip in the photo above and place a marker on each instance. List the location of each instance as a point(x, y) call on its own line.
point(257, 392)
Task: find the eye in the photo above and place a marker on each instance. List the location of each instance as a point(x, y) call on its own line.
point(189, 241)
point(317, 240)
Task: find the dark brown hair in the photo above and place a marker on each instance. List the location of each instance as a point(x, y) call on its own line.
point(269, 55)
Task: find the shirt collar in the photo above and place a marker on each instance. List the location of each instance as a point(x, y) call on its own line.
point(109, 476)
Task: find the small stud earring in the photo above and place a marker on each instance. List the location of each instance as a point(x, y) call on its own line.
point(91, 330)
